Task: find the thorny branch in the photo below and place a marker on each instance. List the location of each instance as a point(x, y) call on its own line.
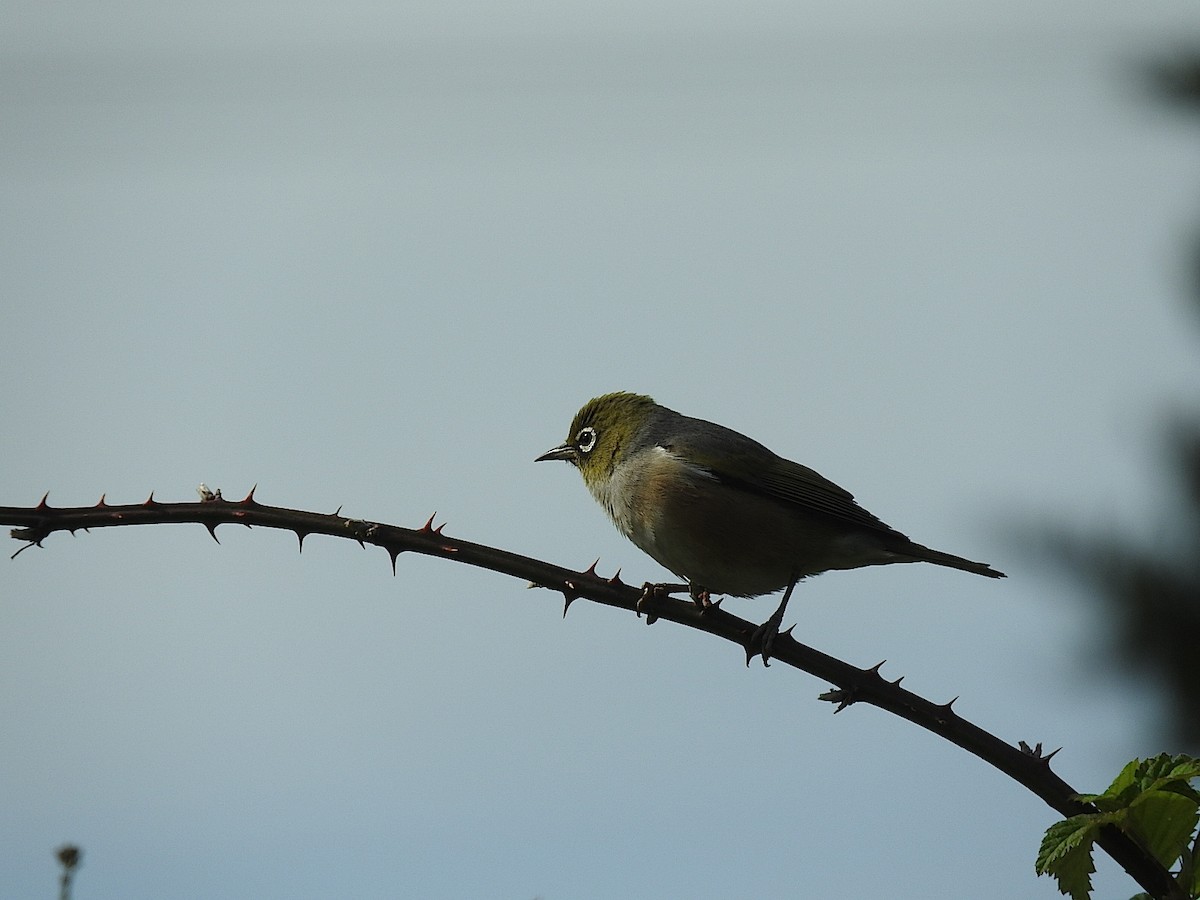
point(1028, 766)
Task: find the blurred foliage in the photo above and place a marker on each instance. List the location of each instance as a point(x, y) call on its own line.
point(1153, 593)
point(1177, 79)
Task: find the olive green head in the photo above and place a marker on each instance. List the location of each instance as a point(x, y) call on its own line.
point(602, 433)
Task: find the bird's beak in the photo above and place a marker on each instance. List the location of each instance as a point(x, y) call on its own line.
point(562, 451)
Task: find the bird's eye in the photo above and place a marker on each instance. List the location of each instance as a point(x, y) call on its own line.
point(586, 439)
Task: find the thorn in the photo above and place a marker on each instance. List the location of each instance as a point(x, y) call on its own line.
point(42, 504)
point(875, 668)
point(393, 553)
point(787, 632)
point(616, 579)
point(428, 526)
point(337, 512)
point(300, 536)
point(1036, 752)
point(591, 570)
point(949, 705)
point(150, 501)
point(212, 529)
point(754, 646)
point(100, 504)
point(896, 683)
point(569, 597)
point(249, 500)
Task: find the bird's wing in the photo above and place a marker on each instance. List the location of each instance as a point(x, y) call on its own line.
point(794, 483)
point(736, 459)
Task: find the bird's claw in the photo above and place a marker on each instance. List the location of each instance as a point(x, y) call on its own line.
point(651, 591)
point(762, 639)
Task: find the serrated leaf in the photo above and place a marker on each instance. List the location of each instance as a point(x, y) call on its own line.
point(1127, 779)
point(1063, 835)
point(1124, 788)
point(1163, 822)
point(1186, 767)
point(1159, 773)
point(1175, 774)
point(1073, 872)
point(1066, 854)
point(1154, 800)
point(1181, 766)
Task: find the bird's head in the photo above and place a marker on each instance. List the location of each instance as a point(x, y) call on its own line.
point(602, 433)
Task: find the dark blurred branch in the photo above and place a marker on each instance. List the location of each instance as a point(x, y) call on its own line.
point(1028, 767)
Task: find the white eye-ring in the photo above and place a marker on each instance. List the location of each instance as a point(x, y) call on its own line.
point(586, 439)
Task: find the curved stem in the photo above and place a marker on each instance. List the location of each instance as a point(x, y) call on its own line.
point(854, 685)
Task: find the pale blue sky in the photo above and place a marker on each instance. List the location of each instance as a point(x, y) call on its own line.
point(376, 255)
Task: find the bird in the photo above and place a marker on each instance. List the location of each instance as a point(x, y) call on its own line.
point(723, 512)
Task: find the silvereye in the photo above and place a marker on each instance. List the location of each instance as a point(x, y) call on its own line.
point(722, 511)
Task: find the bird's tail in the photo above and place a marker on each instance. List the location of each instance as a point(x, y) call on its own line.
point(920, 553)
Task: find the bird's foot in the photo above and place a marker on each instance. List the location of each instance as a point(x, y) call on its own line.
point(702, 598)
point(762, 639)
point(651, 592)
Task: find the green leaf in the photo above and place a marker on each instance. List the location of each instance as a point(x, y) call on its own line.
point(1163, 822)
point(1128, 778)
point(1159, 773)
point(1151, 799)
point(1120, 793)
point(1066, 854)
point(1173, 773)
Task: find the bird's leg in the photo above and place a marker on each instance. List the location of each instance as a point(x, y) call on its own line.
point(652, 591)
point(763, 638)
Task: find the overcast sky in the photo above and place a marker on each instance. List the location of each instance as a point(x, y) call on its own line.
point(376, 255)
